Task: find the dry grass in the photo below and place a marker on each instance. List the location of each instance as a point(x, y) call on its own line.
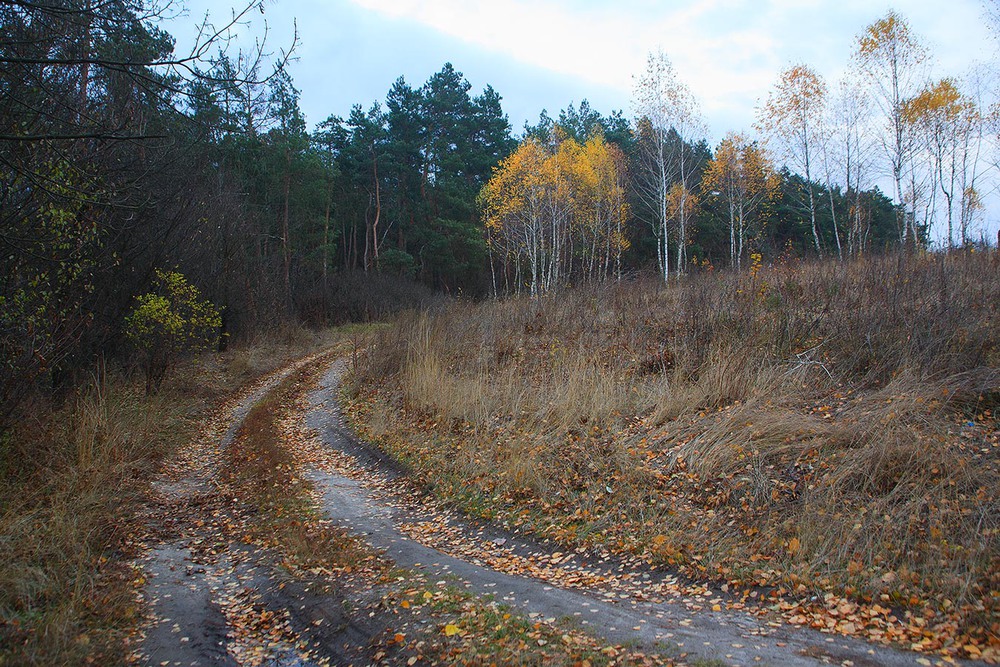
point(823, 425)
point(71, 479)
point(63, 595)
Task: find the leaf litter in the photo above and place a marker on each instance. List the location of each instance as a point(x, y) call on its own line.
point(763, 587)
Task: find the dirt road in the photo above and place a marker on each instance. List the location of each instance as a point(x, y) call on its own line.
point(205, 590)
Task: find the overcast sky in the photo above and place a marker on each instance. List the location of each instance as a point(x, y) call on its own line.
point(544, 54)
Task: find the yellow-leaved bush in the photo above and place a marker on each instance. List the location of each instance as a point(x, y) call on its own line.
point(168, 322)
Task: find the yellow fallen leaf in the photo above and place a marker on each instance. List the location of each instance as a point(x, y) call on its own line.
point(450, 630)
point(793, 546)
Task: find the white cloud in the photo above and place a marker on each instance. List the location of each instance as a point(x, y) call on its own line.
point(548, 53)
point(586, 44)
point(607, 45)
point(728, 51)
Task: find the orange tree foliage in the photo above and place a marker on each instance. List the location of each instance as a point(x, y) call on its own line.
point(791, 120)
point(556, 212)
point(742, 177)
point(949, 124)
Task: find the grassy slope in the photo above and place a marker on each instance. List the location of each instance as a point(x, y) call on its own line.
point(818, 428)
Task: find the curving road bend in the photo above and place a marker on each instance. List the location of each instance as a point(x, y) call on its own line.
point(365, 492)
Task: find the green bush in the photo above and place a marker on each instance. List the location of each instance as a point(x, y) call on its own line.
point(168, 322)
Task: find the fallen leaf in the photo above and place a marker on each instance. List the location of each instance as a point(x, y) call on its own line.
point(793, 546)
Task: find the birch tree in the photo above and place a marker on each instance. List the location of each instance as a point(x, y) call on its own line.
point(893, 61)
point(950, 124)
point(791, 120)
point(743, 179)
point(553, 210)
point(665, 106)
point(850, 145)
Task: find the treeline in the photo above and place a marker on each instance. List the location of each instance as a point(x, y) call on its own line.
point(390, 190)
point(407, 192)
point(121, 158)
point(590, 197)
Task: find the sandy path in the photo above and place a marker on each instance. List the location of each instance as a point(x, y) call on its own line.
point(212, 600)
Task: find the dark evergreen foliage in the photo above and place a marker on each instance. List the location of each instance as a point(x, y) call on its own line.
point(119, 158)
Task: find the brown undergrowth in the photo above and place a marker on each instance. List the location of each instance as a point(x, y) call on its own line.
point(826, 429)
point(73, 476)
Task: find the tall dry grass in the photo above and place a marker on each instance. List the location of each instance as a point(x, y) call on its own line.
point(845, 409)
point(70, 481)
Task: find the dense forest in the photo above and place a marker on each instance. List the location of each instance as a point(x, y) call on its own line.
point(121, 158)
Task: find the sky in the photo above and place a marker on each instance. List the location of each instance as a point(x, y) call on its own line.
point(546, 54)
